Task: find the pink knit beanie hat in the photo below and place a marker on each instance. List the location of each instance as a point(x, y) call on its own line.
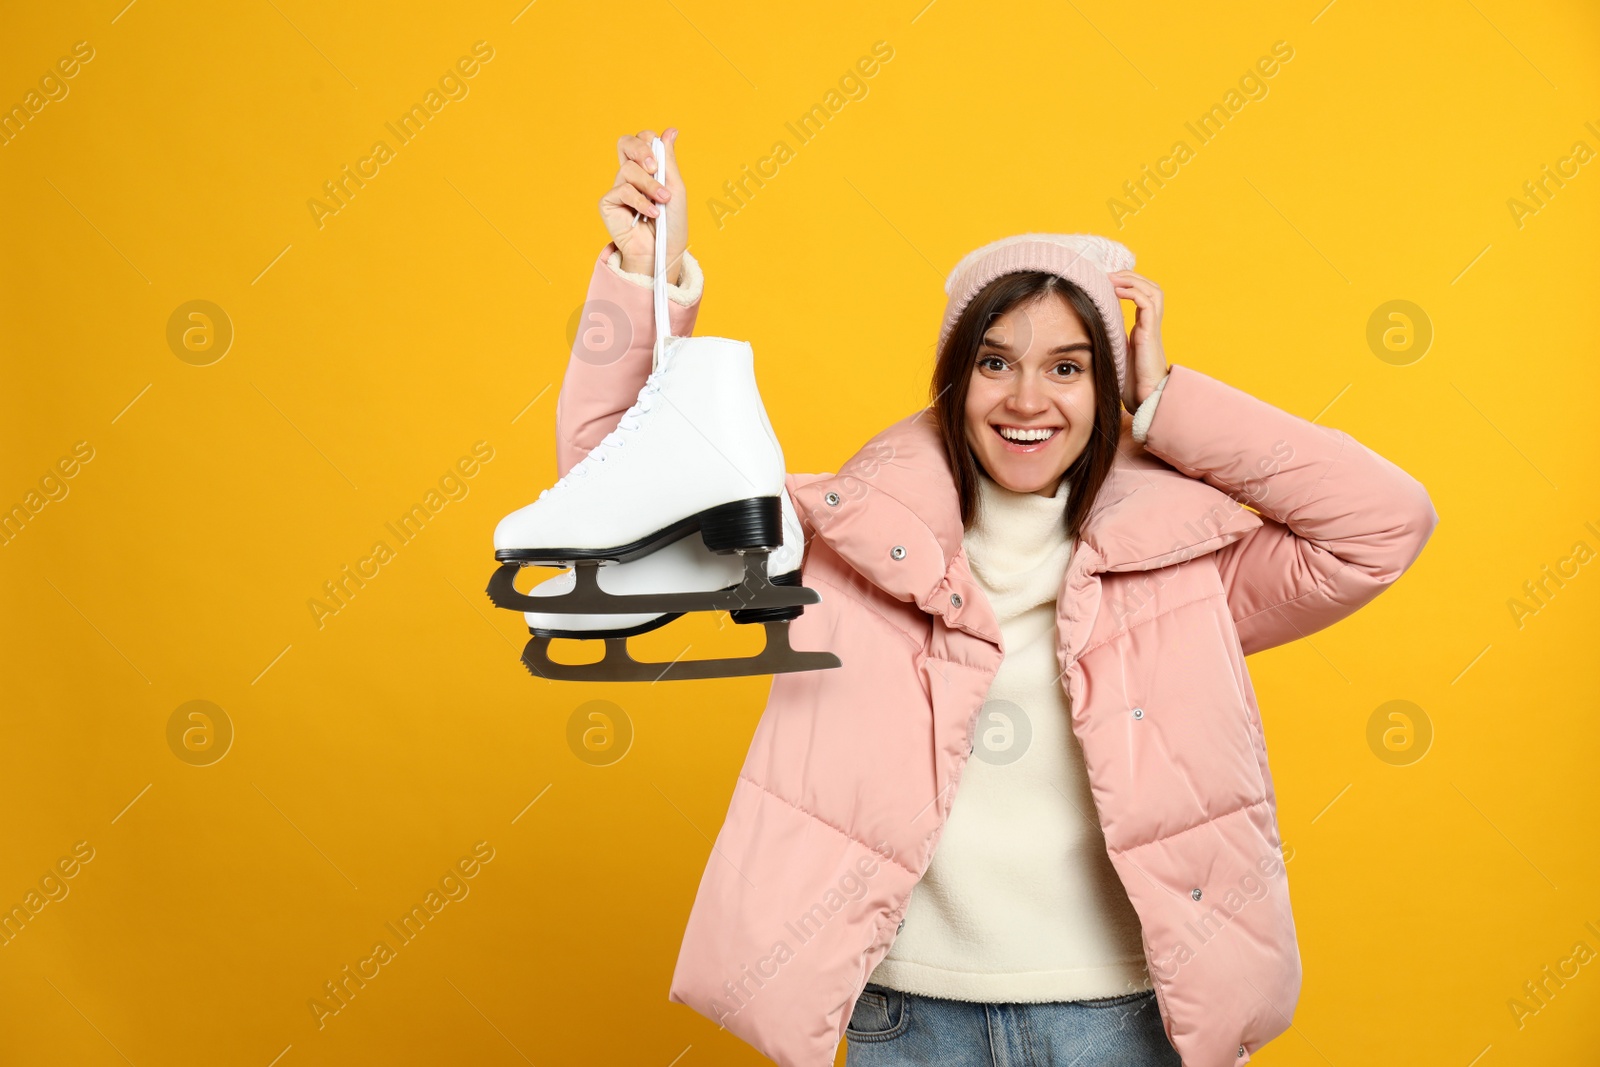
point(1084, 258)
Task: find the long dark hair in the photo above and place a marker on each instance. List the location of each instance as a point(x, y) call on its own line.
point(952, 374)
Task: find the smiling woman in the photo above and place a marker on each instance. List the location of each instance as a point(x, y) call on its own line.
point(1046, 580)
point(1026, 390)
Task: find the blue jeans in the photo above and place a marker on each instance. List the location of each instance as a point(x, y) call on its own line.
point(890, 1028)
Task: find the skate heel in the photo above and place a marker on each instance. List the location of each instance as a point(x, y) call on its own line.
point(748, 615)
point(753, 523)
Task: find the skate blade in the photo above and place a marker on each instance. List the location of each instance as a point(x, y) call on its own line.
point(586, 597)
point(743, 616)
point(617, 665)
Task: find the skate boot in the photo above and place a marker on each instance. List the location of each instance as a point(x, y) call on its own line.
point(695, 459)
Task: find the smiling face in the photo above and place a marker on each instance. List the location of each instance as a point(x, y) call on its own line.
point(1031, 398)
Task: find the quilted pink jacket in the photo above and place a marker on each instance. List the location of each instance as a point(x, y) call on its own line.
point(851, 772)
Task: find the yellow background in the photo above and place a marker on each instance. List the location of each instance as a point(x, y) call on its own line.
point(370, 354)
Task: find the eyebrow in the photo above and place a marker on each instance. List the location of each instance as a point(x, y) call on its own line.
point(1073, 347)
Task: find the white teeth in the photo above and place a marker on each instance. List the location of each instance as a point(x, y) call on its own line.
point(1024, 435)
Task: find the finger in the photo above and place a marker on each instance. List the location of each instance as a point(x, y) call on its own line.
point(1133, 279)
point(1128, 279)
point(626, 195)
point(633, 173)
point(627, 148)
point(1146, 298)
point(639, 202)
point(649, 162)
point(637, 148)
point(1141, 297)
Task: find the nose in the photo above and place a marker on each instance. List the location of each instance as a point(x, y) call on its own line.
point(1028, 395)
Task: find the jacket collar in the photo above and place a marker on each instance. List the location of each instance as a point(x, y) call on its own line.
point(898, 491)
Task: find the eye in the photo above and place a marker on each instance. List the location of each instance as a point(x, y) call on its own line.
point(1069, 363)
point(991, 362)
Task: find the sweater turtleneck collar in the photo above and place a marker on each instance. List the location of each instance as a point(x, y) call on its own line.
point(1017, 545)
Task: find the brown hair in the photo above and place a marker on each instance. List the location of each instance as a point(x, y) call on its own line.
point(952, 374)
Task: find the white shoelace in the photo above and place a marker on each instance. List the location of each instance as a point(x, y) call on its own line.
point(629, 422)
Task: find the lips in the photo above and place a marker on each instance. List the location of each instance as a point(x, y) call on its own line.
point(1025, 447)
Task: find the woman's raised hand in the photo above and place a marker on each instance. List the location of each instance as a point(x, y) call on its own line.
point(645, 187)
point(1147, 358)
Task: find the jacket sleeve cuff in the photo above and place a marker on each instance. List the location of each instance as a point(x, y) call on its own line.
point(686, 292)
point(1147, 410)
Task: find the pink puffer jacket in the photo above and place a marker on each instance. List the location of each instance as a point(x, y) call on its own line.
point(852, 771)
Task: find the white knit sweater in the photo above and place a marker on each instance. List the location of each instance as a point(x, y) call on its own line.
point(1020, 902)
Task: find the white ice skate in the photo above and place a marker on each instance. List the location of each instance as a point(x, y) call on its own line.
point(692, 469)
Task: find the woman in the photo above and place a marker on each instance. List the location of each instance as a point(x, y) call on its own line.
point(1023, 574)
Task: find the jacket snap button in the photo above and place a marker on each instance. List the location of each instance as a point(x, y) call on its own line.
point(1195, 893)
point(898, 552)
point(955, 599)
point(1138, 713)
point(832, 499)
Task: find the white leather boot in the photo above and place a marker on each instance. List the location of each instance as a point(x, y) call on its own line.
point(694, 452)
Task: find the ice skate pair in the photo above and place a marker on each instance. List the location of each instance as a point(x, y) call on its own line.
point(680, 508)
